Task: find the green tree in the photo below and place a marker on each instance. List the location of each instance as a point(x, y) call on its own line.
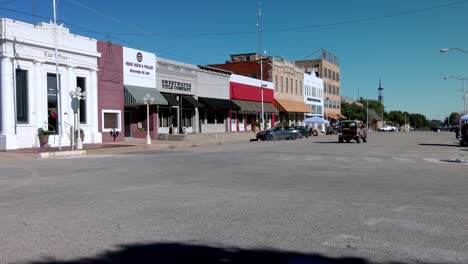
point(453, 118)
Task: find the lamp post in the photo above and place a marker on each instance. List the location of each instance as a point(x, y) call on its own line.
point(327, 102)
point(148, 100)
point(463, 79)
point(78, 95)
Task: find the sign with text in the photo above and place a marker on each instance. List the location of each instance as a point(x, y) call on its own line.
point(139, 68)
point(176, 86)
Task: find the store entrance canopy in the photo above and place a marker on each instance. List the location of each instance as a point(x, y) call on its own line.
point(292, 106)
point(255, 107)
point(133, 95)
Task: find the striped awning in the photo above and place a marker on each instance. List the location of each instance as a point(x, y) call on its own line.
point(292, 106)
point(133, 95)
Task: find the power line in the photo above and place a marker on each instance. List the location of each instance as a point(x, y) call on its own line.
point(344, 22)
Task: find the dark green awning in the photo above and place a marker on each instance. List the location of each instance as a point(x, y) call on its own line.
point(192, 101)
point(255, 107)
point(217, 103)
point(133, 95)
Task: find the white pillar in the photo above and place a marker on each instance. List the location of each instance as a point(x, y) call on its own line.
point(8, 139)
point(35, 101)
point(93, 108)
point(196, 121)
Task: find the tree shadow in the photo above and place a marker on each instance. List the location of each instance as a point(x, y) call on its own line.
point(191, 253)
point(326, 142)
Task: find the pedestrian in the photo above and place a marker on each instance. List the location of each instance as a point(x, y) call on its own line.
point(457, 132)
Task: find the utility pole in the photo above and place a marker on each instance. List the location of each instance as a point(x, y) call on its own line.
point(367, 114)
point(262, 125)
point(57, 78)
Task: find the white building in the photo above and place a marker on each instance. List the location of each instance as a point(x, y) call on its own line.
point(313, 93)
point(28, 85)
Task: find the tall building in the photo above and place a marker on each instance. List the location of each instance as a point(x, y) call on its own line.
point(328, 67)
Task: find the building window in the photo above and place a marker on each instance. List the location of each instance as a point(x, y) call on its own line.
point(21, 96)
point(296, 88)
point(325, 72)
point(329, 74)
point(81, 82)
point(163, 117)
point(52, 103)
point(276, 83)
point(300, 85)
point(287, 85)
point(281, 83)
point(187, 117)
point(333, 75)
point(111, 120)
point(210, 117)
point(292, 84)
point(337, 77)
point(220, 117)
point(338, 90)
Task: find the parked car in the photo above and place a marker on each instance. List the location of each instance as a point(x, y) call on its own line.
point(443, 128)
point(332, 130)
point(352, 130)
point(388, 129)
point(304, 131)
point(279, 133)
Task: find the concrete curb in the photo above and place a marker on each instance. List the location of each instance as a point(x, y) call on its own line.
point(57, 154)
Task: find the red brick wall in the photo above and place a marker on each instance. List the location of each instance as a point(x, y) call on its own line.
point(247, 68)
point(110, 84)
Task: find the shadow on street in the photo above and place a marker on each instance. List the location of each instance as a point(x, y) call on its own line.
point(189, 253)
point(439, 145)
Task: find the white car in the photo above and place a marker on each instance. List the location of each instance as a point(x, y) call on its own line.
point(388, 129)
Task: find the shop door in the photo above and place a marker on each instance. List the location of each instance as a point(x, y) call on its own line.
point(234, 122)
point(128, 123)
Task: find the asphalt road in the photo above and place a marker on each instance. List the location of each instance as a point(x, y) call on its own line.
point(399, 198)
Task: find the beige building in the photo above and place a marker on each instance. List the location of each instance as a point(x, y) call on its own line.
point(288, 79)
point(329, 70)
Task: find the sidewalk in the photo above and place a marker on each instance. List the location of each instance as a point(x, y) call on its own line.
point(129, 145)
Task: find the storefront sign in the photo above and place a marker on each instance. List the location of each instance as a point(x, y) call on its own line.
point(176, 86)
point(49, 54)
point(139, 68)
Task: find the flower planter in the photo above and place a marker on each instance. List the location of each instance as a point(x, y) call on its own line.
point(43, 140)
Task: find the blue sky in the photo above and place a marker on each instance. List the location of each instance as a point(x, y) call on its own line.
point(402, 50)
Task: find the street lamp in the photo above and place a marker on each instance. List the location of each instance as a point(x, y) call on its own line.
point(148, 100)
point(444, 50)
point(78, 95)
point(464, 93)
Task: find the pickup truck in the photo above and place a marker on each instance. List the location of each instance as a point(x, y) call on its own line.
point(443, 128)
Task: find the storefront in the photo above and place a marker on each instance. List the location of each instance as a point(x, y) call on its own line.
point(247, 93)
point(139, 77)
point(213, 93)
point(30, 97)
point(292, 111)
point(177, 83)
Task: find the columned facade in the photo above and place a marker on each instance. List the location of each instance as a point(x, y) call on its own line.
point(28, 85)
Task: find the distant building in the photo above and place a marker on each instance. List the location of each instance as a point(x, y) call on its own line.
point(329, 70)
point(287, 78)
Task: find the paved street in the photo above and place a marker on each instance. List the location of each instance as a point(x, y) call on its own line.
point(399, 198)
